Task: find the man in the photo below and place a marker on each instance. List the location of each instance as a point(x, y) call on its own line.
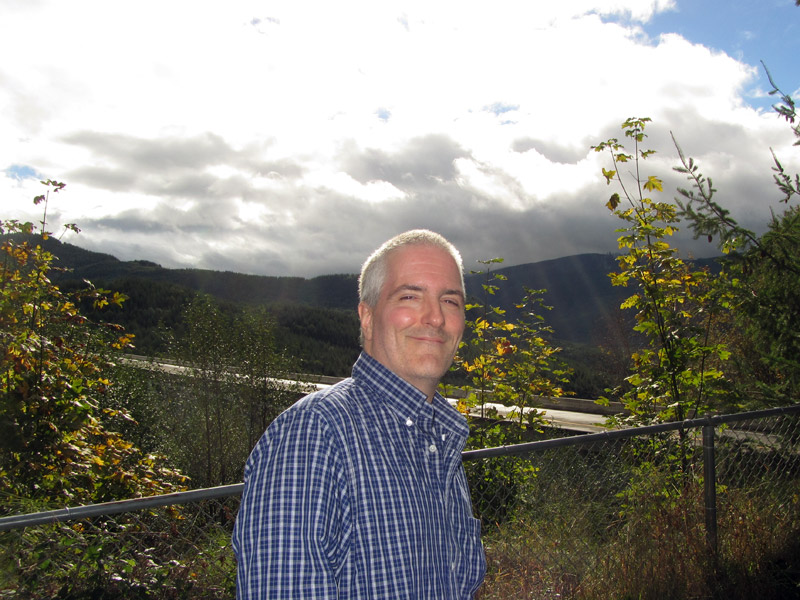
point(358, 491)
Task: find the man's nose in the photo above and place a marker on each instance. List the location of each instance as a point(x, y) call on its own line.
point(433, 314)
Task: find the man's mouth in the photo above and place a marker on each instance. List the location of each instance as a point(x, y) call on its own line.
point(431, 339)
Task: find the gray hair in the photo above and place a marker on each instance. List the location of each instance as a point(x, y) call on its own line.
point(373, 271)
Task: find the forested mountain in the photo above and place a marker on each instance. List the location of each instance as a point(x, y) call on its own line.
point(577, 287)
point(329, 291)
point(316, 318)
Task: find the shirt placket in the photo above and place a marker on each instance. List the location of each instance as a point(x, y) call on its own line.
point(442, 468)
point(432, 446)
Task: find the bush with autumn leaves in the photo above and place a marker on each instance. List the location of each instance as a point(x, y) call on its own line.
point(59, 444)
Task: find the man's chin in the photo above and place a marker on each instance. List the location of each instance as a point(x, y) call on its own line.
point(431, 368)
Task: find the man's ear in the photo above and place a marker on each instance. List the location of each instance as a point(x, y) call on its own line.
point(365, 316)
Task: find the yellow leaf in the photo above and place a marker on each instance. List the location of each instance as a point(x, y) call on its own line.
point(654, 183)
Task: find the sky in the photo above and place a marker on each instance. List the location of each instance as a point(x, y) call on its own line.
point(294, 137)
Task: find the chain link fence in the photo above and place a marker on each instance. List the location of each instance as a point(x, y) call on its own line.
point(700, 509)
point(654, 512)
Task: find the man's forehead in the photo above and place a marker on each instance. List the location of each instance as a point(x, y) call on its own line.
point(421, 253)
point(420, 260)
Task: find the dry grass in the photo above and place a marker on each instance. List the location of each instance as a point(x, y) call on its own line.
point(657, 550)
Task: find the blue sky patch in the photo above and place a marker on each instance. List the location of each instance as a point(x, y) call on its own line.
point(498, 108)
point(21, 172)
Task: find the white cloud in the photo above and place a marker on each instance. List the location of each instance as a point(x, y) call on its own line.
point(292, 137)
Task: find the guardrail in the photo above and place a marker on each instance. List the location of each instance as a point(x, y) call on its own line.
point(558, 410)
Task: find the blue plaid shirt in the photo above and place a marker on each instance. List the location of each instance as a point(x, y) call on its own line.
point(358, 491)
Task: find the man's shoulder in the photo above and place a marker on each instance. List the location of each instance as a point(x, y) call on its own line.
point(320, 414)
point(331, 402)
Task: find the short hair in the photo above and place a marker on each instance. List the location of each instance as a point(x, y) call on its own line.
point(373, 271)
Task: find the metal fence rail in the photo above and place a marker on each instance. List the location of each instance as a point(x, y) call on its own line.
point(676, 510)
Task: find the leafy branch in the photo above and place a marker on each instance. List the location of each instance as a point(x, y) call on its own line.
point(787, 110)
point(710, 219)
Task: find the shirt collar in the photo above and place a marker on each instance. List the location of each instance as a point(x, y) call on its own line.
point(405, 400)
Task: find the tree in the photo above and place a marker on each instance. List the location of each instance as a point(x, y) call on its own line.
point(762, 273)
point(266, 369)
point(678, 375)
point(57, 437)
point(508, 363)
point(237, 382)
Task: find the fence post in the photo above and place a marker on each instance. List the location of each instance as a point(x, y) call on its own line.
point(710, 483)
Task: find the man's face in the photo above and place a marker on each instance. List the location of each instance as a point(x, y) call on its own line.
point(415, 327)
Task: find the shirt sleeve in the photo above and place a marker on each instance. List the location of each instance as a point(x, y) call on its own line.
point(292, 528)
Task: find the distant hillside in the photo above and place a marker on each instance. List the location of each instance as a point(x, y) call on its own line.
point(316, 320)
point(585, 304)
point(578, 288)
point(328, 291)
point(583, 301)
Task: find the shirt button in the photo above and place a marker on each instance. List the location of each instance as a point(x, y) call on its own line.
point(409, 422)
point(432, 448)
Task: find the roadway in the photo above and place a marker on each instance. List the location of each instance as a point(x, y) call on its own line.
point(570, 414)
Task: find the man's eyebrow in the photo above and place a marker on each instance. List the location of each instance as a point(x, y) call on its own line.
point(408, 287)
point(458, 293)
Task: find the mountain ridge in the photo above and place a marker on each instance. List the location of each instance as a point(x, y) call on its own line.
point(585, 305)
point(577, 286)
